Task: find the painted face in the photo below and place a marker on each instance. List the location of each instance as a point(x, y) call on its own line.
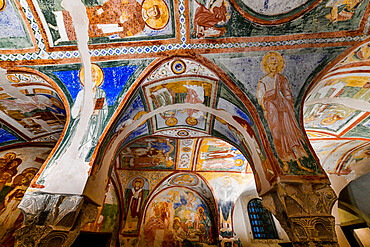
point(95, 75)
point(5, 177)
point(137, 185)
point(2, 163)
point(273, 64)
point(27, 178)
point(13, 164)
point(152, 12)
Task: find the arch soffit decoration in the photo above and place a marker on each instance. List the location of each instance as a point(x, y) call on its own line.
point(347, 69)
point(61, 94)
point(108, 150)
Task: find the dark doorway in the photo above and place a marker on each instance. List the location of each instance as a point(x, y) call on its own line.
point(87, 239)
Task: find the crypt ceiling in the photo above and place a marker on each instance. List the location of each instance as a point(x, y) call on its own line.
point(180, 52)
point(39, 50)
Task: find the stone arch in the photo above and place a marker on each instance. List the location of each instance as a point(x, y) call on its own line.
point(62, 95)
point(110, 149)
point(332, 118)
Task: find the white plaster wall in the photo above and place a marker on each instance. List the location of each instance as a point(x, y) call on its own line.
point(338, 183)
point(242, 226)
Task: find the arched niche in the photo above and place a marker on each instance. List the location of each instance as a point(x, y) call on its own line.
point(178, 215)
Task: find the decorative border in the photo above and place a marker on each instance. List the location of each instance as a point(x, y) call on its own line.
point(184, 43)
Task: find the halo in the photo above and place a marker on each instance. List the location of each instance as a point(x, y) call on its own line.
point(172, 121)
point(138, 180)
point(32, 170)
point(278, 56)
point(199, 208)
point(18, 179)
point(138, 115)
point(94, 68)
point(2, 5)
point(160, 22)
point(191, 121)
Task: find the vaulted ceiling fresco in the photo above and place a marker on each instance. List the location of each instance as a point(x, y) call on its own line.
point(182, 118)
point(336, 115)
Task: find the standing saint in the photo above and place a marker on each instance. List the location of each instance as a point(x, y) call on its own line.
point(275, 97)
point(135, 201)
point(97, 120)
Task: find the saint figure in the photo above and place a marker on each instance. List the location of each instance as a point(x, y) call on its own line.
point(99, 115)
point(275, 97)
point(135, 201)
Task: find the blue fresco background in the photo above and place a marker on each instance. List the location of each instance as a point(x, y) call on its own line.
point(115, 79)
point(5, 136)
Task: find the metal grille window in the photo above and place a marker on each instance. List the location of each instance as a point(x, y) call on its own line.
point(263, 226)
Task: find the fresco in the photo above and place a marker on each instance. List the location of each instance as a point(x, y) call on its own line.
point(192, 91)
point(273, 7)
point(109, 21)
point(13, 31)
point(215, 154)
point(230, 103)
point(361, 53)
point(336, 155)
point(107, 219)
point(185, 154)
point(179, 67)
point(361, 130)
point(17, 168)
point(181, 133)
point(153, 177)
point(275, 97)
point(133, 111)
point(29, 104)
point(135, 197)
point(177, 216)
point(115, 78)
point(238, 18)
point(191, 181)
point(97, 120)
point(355, 162)
point(329, 117)
point(185, 179)
point(6, 137)
point(335, 117)
point(211, 17)
point(155, 152)
point(342, 10)
point(299, 66)
point(227, 187)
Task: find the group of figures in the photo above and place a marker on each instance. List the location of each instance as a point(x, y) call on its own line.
point(12, 188)
point(149, 153)
point(175, 217)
